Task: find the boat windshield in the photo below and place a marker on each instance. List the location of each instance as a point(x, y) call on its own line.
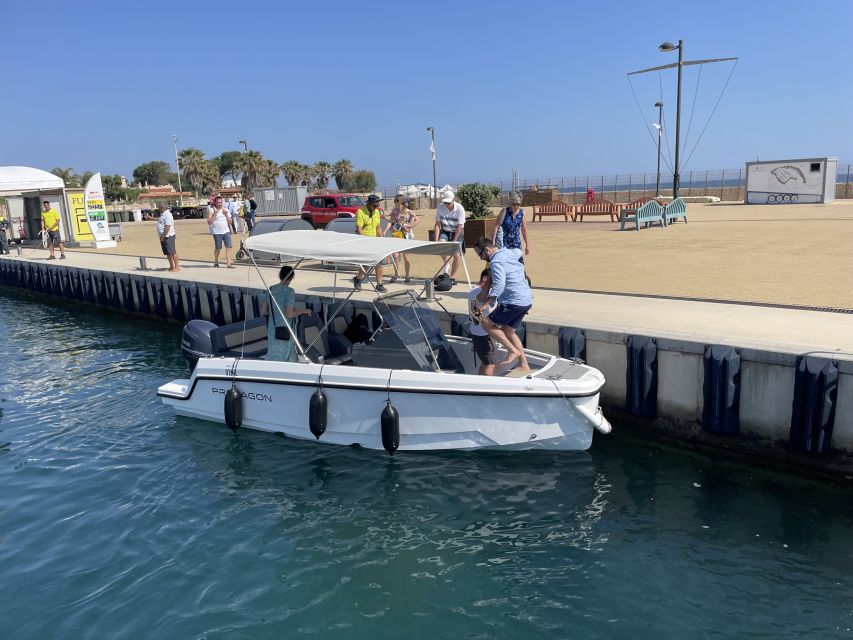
point(419, 331)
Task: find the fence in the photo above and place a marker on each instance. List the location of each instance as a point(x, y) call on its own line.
point(726, 184)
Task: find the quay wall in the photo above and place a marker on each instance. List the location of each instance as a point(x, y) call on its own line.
point(796, 409)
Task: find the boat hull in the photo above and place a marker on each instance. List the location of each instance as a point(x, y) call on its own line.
point(437, 411)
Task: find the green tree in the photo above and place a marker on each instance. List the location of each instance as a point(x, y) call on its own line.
point(152, 173)
point(85, 178)
point(254, 168)
point(477, 198)
point(269, 175)
point(68, 176)
point(296, 173)
point(361, 181)
point(112, 187)
point(320, 173)
point(226, 164)
point(342, 171)
point(195, 169)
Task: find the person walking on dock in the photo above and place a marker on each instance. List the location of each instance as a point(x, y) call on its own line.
point(50, 224)
point(166, 233)
point(220, 225)
point(248, 212)
point(234, 210)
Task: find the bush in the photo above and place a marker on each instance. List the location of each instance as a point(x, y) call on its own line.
point(477, 198)
point(360, 181)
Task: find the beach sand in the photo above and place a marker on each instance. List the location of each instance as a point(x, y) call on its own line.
point(793, 254)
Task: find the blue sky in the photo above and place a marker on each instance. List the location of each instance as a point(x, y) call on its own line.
point(538, 86)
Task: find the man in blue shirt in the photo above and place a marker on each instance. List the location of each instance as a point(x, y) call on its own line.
point(511, 292)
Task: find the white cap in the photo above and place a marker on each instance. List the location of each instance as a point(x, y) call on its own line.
point(448, 196)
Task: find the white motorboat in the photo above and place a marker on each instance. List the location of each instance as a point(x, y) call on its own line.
point(403, 385)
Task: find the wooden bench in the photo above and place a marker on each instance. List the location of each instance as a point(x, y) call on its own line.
point(597, 208)
point(554, 208)
point(675, 210)
point(650, 212)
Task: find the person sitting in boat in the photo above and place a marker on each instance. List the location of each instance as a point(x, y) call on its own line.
point(483, 345)
point(514, 299)
point(280, 341)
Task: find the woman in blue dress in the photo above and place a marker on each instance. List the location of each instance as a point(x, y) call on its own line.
point(512, 227)
point(285, 299)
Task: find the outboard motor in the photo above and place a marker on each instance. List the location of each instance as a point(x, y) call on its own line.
point(196, 342)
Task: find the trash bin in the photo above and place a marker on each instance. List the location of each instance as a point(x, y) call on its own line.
point(124, 216)
point(137, 215)
point(111, 216)
point(590, 195)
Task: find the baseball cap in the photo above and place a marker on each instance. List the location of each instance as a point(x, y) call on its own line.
point(448, 196)
point(374, 198)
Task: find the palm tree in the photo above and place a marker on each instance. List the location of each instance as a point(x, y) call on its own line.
point(195, 168)
point(253, 166)
point(342, 171)
point(68, 176)
point(292, 172)
point(85, 178)
point(321, 172)
point(270, 173)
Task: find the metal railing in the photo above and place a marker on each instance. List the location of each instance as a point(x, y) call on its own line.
point(726, 184)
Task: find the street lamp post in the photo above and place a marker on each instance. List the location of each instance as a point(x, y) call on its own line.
point(434, 183)
point(659, 105)
point(245, 145)
point(178, 167)
point(668, 46)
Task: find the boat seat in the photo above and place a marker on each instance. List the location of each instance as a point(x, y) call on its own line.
point(324, 348)
point(247, 339)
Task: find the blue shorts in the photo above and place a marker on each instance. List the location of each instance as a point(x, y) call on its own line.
point(448, 237)
point(509, 315)
point(222, 238)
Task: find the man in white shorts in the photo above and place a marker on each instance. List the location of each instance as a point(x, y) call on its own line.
point(450, 225)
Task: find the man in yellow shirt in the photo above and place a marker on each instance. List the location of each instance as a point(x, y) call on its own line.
point(368, 222)
point(50, 223)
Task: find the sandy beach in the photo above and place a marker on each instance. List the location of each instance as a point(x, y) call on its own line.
point(792, 255)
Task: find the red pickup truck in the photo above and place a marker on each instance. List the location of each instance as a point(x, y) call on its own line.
point(320, 210)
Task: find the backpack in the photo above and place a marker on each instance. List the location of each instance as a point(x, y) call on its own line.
point(442, 282)
point(358, 330)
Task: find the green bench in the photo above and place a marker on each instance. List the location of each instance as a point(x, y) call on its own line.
point(648, 213)
point(675, 210)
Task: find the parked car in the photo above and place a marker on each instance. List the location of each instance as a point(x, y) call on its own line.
point(320, 210)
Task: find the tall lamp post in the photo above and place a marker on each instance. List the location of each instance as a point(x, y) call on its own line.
point(178, 167)
point(668, 46)
point(245, 145)
point(434, 184)
point(659, 105)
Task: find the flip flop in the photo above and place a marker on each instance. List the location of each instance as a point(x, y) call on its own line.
point(231, 266)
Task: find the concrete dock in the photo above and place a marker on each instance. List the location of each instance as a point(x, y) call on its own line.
point(769, 344)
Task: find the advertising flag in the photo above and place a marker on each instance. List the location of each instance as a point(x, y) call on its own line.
point(96, 211)
point(432, 149)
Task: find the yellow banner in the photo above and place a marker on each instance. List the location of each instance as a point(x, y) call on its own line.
point(77, 206)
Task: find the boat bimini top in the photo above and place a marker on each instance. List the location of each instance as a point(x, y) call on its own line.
point(345, 248)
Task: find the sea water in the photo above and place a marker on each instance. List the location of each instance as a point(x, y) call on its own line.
point(120, 520)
